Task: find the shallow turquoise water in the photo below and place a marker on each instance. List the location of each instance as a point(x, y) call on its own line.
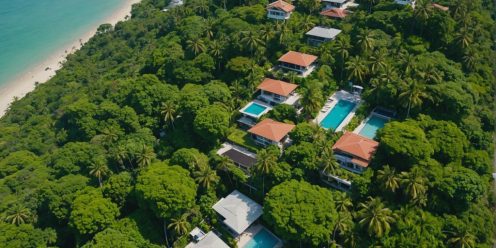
point(255, 109)
point(263, 239)
point(337, 115)
point(373, 124)
point(31, 30)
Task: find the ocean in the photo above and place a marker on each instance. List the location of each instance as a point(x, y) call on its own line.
point(32, 30)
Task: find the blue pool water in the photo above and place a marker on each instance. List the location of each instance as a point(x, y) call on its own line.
point(32, 30)
point(373, 124)
point(263, 239)
point(255, 109)
point(337, 115)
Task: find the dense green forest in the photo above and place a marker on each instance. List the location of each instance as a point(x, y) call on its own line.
point(121, 144)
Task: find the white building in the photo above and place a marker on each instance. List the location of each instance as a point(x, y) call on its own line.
point(318, 35)
point(280, 10)
point(238, 212)
point(202, 240)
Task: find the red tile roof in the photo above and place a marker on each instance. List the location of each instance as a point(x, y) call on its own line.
point(296, 58)
point(277, 87)
point(440, 7)
point(281, 5)
point(359, 147)
point(336, 13)
point(271, 129)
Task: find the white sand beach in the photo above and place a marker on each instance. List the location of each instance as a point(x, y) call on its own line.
point(25, 82)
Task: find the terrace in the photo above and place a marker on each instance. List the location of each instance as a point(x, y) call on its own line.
point(339, 4)
point(252, 112)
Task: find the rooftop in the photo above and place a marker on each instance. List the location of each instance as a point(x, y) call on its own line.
point(272, 130)
point(327, 33)
point(210, 240)
point(296, 58)
point(238, 210)
point(334, 1)
point(240, 157)
point(281, 5)
point(336, 13)
point(359, 147)
point(277, 87)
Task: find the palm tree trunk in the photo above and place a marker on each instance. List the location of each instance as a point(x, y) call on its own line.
point(100, 181)
point(165, 232)
point(263, 187)
point(408, 110)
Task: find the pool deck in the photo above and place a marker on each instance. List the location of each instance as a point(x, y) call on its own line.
point(267, 109)
point(248, 235)
point(332, 101)
point(362, 124)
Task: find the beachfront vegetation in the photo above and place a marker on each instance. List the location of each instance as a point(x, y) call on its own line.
point(119, 148)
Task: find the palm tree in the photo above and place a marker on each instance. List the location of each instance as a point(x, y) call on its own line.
point(206, 177)
point(342, 47)
point(342, 225)
point(343, 203)
point(196, 46)
point(412, 95)
point(366, 40)
point(145, 156)
point(422, 11)
point(463, 240)
point(266, 161)
point(357, 68)
point(328, 162)
point(408, 61)
point(429, 75)
point(209, 26)
point(413, 184)
point(99, 170)
point(237, 91)
point(225, 164)
point(307, 22)
point(169, 112)
point(251, 40)
point(311, 99)
point(389, 179)
point(180, 225)
point(267, 33)
point(18, 215)
point(376, 217)
point(217, 50)
point(378, 61)
point(463, 38)
point(201, 7)
point(283, 31)
point(470, 59)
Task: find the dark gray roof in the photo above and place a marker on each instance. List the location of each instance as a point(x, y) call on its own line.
point(240, 157)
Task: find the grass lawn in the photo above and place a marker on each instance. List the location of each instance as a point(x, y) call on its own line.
point(242, 138)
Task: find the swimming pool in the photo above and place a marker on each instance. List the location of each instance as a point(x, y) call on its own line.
point(263, 239)
point(373, 124)
point(254, 109)
point(337, 115)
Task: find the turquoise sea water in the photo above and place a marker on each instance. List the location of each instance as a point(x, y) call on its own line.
point(32, 30)
point(337, 115)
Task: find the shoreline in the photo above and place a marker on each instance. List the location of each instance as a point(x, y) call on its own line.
point(25, 82)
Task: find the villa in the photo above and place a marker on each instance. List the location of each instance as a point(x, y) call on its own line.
point(270, 132)
point(241, 157)
point(202, 240)
point(238, 212)
point(354, 152)
point(337, 4)
point(335, 13)
point(318, 35)
point(301, 63)
point(276, 92)
point(280, 10)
